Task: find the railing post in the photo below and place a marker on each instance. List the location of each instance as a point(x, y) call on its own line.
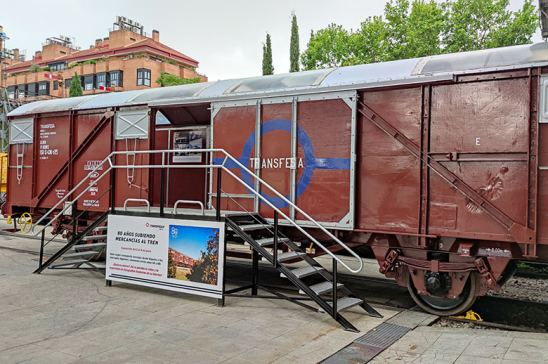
point(218, 200)
point(113, 191)
point(334, 305)
point(275, 252)
point(162, 190)
point(255, 273)
point(42, 249)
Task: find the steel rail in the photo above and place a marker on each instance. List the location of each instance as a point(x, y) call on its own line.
point(227, 157)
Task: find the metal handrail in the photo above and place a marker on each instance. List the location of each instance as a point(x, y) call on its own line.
point(145, 201)
point(227, 157)
point(188, 202)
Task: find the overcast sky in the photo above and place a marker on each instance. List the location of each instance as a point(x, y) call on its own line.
point(224, 36)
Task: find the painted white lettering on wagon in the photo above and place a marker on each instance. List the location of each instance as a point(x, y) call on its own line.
point(276, 163)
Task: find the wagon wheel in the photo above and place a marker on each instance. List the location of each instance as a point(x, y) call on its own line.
point(443, 306)
point(25, 222)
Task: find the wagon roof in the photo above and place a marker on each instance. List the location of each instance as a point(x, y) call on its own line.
point(352, 77)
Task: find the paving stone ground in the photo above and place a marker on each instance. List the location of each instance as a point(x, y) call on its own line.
point(72, 317)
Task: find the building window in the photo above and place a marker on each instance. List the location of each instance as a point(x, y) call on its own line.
point(59, 66)
point(101, 80)
point(143, 77)
point(12, 94)
point(43, 88)
point(68, 81)
point(55, 85)
point(116, 79)
point(89, 83)
point(21, 91)
point(32, 89)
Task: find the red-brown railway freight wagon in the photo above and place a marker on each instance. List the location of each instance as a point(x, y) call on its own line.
point(435, 166)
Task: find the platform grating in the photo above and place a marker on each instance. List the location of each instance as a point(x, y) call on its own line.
point(368, 346)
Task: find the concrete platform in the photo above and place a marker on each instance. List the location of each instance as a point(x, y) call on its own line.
point(72, 317)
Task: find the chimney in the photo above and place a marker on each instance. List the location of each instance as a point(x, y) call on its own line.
point(16, 54)
point(98, 42)
point(37, 55)
point(155, 35)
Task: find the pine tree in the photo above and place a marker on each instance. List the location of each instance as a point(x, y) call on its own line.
point(268, 68)
point(294, 46)
point(75, 86)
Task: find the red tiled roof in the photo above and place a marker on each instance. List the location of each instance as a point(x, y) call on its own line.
point(148, 45)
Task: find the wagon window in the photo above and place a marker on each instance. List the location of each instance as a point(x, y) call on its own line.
point(143, 77)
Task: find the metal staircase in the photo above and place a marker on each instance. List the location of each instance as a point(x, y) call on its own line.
point(81, 250)
point(312, 279)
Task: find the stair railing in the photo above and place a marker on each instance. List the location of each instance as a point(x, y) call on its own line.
point(227, 157)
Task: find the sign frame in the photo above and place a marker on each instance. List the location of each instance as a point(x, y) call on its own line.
point(139, 250)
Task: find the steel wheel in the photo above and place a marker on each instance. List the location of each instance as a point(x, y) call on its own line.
point(443, 306)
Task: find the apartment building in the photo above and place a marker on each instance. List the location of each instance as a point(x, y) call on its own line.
point(128, 59)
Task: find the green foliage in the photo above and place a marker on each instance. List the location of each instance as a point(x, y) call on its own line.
point(35, 68)
point(168, 79)
point(421, 28)
point(206, 268)
point(294, 46)
point(268, 67)
point(75, 86)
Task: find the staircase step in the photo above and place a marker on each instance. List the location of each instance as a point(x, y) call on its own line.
point(345, 303)
point(94, 237)
point(323, 287)
point(65, 263)
point(254, 227)
point(306, 271)
point(89, 246)
point(270, 241)
point(289, 256)
point(88, 253)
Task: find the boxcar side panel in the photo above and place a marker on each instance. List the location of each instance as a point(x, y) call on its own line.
point(20, 191)
point(53, 152)
point(97, 198)
point(327, 125)
point(388, 178)
point(232, 127)
point(479, 131)
point(275, 148)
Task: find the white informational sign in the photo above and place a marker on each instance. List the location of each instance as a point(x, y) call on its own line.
point(178, 255)
point(188, 139)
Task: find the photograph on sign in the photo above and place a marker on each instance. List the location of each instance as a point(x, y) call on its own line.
point(173, 254)
point(193, 253)
point(188, 139)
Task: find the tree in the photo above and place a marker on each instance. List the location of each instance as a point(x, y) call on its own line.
point(168, 79)
point(75, 86)
point(205, 269)
point(294, 45)
point(329, 47)
point(268, 68)
point(421, 28)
